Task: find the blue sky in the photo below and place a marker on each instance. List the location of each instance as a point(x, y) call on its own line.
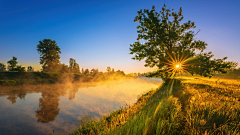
point(98, 33)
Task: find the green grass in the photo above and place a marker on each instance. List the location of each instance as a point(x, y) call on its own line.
point(192, 107)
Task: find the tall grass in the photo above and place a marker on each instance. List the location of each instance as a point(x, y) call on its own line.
point(194, 106)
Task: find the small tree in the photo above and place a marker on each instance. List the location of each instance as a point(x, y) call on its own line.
point(49, 55)
point(2, 67)
point(168, 44)
point(73, 66)
point(30, 69)
point(82, 71)
point(12, 64)
point(20, 69)
point(94, 71)
point(86, 72)
point(108, 69)
point(120, 72)
point(77, 68)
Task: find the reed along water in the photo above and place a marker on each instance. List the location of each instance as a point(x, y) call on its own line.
point(40, 109)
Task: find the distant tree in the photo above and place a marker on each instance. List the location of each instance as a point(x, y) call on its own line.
point(166, 43)
point(64, 68)
point(77, 68)
point(94, 71)
point(86, 72)
point(30, 69)
point(82, 71)
point(73, 66)
point(2, 67)
point(120, 72)
point(49, 55)
point(108, 69)
point(113, 70)
point(12, 64)
point(20, 69)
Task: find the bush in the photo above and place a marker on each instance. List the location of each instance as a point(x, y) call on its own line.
point(8, 82)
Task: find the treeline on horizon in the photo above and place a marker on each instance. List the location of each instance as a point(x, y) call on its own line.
point(58, 68)
point(231, 74)
point(52, 69)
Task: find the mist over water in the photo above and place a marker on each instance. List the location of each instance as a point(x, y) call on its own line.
point(39, 109)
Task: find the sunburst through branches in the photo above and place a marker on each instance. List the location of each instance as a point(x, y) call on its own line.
point(177, 62)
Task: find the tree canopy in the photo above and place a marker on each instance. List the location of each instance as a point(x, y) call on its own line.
point(49, 55)
point(165, 42)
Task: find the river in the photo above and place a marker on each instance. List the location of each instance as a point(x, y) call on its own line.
point(40, 109)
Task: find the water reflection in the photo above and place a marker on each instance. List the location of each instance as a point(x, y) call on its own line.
point(48, 106)
point(39, 109)
point(72, 93)
point(14, 94)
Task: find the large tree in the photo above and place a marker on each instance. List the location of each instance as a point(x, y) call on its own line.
point(49, 55)
point(12, 64)
point(168, 44)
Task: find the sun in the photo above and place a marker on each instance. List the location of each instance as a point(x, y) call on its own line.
point(177, 63)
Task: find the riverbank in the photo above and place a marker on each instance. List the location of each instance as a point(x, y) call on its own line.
point(186, 106)
point(33, 78)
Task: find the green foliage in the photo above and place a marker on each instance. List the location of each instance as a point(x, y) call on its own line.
point(20, 69)
point(206, 66)
point(2, 67)
point(49, 55)
point(164, 40)
point(12, 64)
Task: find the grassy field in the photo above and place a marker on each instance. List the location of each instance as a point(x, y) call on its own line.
point(186, 106)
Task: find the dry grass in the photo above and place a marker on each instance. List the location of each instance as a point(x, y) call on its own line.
point(196, 106)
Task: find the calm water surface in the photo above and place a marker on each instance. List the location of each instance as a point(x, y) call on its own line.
point(41, 109)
